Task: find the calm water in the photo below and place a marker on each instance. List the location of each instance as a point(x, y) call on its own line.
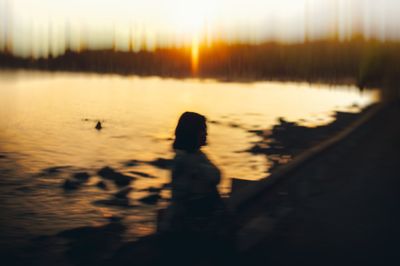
point(48, 119)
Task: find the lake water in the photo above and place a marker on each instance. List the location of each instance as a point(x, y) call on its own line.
point(48, 119)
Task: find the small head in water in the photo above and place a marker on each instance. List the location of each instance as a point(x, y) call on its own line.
point(98, 125)
point(191, 132)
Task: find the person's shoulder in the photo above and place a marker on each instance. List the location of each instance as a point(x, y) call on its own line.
point(182, 157)
point(203, 157)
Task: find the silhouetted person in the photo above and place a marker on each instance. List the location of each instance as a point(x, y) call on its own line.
point(195, 197)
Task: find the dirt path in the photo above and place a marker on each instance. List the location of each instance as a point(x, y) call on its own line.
point(345, 204)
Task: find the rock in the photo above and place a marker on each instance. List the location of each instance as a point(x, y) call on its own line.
point(131, 163)
point(154, 189)
point(167, 185)
point(142, 174)
point(83, 176)
point(257, 149)
point(118, 178)
point(234, 125)
point(98, 126)
point(123, 193)
point(53, 170)
point(162, 163)
point(122, 181)
point(106, 171)
point(258, 132)
point(150, 199)
point(102, 185)
point(71, 184)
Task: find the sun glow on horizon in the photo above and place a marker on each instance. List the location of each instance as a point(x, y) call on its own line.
point(195, 55)
point(39, 28)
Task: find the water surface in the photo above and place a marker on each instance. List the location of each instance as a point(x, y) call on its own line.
point(48, 120)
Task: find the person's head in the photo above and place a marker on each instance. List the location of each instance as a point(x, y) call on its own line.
point(191, 132)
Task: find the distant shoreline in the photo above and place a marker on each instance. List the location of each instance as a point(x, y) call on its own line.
point(249, 80)
point(366, 64)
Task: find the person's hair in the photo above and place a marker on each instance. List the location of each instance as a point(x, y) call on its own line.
point(188, 130)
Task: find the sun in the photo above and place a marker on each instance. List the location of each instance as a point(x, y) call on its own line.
point(191, 16)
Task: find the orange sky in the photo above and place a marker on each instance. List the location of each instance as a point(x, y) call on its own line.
point(43, 27)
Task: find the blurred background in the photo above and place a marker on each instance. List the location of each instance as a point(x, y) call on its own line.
point(261, 71)
point(305, 39)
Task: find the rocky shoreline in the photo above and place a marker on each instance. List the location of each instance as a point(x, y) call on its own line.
point(288, 139)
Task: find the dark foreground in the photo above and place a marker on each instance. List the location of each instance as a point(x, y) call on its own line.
point(343, 207)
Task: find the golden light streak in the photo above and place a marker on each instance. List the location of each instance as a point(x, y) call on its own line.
point(195, 55)
point(125, 25)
